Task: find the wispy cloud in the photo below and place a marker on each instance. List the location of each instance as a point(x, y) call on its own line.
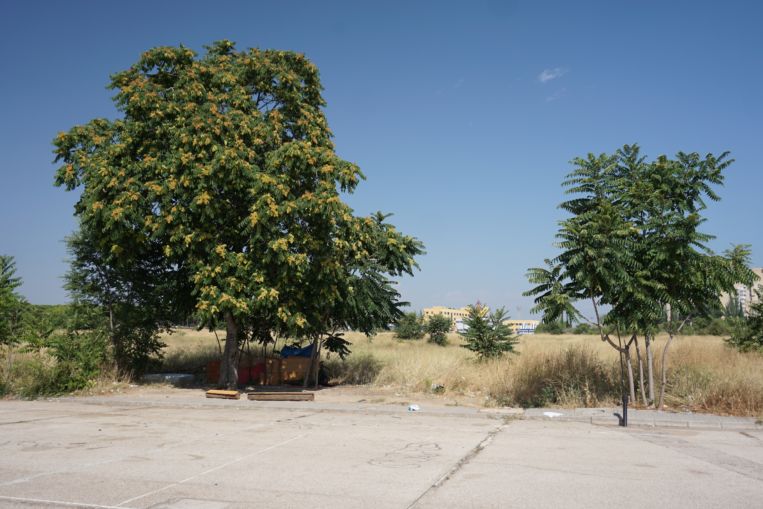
point(556, 95)
point(551, 74)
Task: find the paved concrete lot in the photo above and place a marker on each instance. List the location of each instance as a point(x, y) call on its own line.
point(196, 453)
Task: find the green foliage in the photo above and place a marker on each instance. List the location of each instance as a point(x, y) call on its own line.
point(487, 335)
point(749, 335)
point(633, 240)
point(633, 243)
point(335, 343)
point(410, 326)
point(77, 347)
point(733, 308)
point(554, 327)
point(438, 327)
point(80, 356)
point(221, 173)
point(585, 328)
point(130, 305)
point(11, 303)
point(555, 303)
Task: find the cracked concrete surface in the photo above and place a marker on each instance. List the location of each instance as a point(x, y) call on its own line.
point(182, 453)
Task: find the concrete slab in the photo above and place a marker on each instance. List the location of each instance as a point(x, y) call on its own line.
point(567, 464)
point(185, 451)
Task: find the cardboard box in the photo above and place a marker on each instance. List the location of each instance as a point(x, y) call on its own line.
point(294, 369)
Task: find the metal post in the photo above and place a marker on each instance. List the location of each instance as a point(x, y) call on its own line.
point(624, 421)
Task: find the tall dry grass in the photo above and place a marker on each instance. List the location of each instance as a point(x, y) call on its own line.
point(704, 374)
point(549, 370)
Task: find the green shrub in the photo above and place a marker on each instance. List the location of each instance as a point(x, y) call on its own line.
point(410, 326)
point(551, 328)
point(748, 336)
point(80, 358)
point(70, 362)
point(584, 328)
point(438, 327)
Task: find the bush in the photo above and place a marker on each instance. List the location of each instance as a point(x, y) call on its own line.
point(748, 336)
point(585, 328)
point(410, 326)
point(354, 370)
point(550, 328)
point(70, 362)
point(438, 327)
point(80, 358)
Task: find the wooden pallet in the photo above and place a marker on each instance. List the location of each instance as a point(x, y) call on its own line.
point(281, 396)
point(215, 393)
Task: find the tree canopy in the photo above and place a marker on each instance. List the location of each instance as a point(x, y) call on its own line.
point(224, 165)
point(633, 243)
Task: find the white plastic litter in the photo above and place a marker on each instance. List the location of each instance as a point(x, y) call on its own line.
point(414, 408)
point(552, 414)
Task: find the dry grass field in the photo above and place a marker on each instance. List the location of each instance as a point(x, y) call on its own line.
point(548, 370)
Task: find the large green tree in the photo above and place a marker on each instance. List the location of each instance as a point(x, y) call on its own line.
point(632, 244)
point(224, 162)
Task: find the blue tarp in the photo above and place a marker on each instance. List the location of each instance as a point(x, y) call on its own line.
point(295, 351)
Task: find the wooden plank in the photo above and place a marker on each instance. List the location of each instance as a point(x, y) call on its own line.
point(281, 396)
point(215, 393)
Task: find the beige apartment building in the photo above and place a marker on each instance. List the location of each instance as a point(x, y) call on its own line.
point(458, 315)
point(747, 295)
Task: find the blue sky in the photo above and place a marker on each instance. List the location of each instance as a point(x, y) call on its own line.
point(463, 116)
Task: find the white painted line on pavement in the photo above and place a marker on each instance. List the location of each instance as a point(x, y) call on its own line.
point(159, 448)
point(58, 503)
point(242, 458)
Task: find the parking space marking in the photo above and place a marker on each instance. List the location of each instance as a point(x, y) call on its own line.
point(219, 467)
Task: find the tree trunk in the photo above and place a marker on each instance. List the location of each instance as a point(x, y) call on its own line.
point(113, 341)
point(228, 363)
point(629, 366)
point(650, 367)
point(640, 372)
point(313, 354)
point(318, 363)
point(664, 370)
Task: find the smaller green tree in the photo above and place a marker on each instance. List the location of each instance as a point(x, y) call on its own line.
point(12, 312)
point(410, 326)
point(749, 336)
point(438, 327)
point(11, 303)
point(487, 335)
point(733, 308)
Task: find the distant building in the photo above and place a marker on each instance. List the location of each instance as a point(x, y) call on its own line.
point(458, 315)
point(746, 295)
point(522, 326)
